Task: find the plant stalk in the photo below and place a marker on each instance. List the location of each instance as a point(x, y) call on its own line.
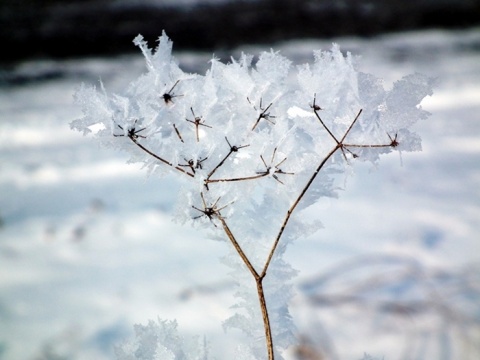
point(266, 319)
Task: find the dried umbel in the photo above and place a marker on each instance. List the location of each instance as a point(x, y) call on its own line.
point(253, 148)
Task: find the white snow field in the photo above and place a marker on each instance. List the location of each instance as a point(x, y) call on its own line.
point(88, 248)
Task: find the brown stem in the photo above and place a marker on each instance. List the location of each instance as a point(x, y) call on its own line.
point(208, 181)
point(325, 127)
point(340, 146)
point(233, 149)
point(292, 208)
point(367, 146)
point(161, 159)
point(260, 292)
point(218, 166)
point(239, 249)
point(266, 319)
point(351, 126)
point(178, 133)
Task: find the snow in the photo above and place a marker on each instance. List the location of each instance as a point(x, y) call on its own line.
point(88, 248)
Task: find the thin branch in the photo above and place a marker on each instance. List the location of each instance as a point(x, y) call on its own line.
point(292, 208)
point(233, 148)
point(340, 145)
point(367, 146)
point(178, 133)
point(260, 291)
point(132, 134)
point(239, 249)
point(266, 319)
point(197, 122)
point(211, 211)
point(276, 169)
point(168, 96)
point(325, 126)
point(351, 126)
point(393, 143)
point(161, 159)
point(258, 176)
point(263, 114)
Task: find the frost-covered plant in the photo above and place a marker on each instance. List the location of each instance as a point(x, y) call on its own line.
point(160, 341)
point(254, 150)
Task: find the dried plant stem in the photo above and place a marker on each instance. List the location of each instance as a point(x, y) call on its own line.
point(266, 319)
point(213, 211)
point(161, 159)
point(178, 133)
point(260, 292)
point(367, 146)
point(208, 181)
point(238, 248)
point(233, 148)
point(259, 277)
point(339, 145)
point(292, 208)
point(218, 166)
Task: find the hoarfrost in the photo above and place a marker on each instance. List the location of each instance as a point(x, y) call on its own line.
point(160, 341)
point(248, 143)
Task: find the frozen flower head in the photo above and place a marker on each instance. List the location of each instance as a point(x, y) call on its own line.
point(243, 131)
point(254, 148)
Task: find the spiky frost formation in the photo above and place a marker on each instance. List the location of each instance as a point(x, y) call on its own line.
point(248, 142)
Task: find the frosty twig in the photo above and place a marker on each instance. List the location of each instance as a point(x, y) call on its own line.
point(132, 134)
point(258, 280)
point(216, 172)
point(197, 122)
point(233, 149)
point(213, 211)
point(263, 114)
point(339, 145)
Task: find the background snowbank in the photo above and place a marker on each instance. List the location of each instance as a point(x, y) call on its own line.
point(87, 247)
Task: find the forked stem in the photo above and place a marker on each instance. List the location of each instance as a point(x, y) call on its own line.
point(339, 145)
point(292, 208)
point(260, 292)
point(238, 248)
point(214, 212)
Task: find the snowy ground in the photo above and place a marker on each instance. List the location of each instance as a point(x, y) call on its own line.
point(87, 247)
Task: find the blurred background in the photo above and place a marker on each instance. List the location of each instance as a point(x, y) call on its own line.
point(87, 245)
point(69, 28)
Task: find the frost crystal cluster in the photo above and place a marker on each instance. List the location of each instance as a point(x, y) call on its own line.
point(161, 341)
point(255, 142)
